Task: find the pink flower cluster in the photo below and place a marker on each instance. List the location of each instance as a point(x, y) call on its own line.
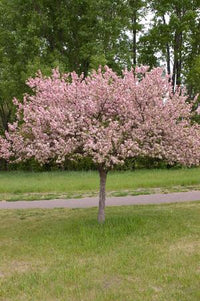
point(5, 149)
point(103, 116)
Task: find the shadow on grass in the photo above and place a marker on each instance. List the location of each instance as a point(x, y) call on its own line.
point(77, 230)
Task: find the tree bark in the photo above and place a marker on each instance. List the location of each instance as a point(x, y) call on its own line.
point(174, 70)
point(179, 63)
point(167, 52)
point(134, 20)
point(5, 114)
point(168, 60)
point(178, 43)
point(102, 195)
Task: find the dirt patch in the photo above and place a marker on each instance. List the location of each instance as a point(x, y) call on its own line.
point(20, 267)
point(185, 247)
point(109, 282)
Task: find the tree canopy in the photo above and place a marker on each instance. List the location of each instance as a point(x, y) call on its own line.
point(80, 35)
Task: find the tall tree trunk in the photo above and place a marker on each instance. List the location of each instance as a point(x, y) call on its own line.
point(168, 60)
point(179, 63)
point(102, 195)
point(5, 114)
point(178, 43)
point(177, 68)
point(134, 31)
point(167, 52)
point(174, 70)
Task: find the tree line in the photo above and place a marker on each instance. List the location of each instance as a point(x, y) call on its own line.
point(80, 35)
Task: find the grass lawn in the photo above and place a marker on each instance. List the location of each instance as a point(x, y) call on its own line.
point(48, 185)
point(141, 253)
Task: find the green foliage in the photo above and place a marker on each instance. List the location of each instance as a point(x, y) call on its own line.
point(43, 34)
point(80, 35)
point(193, 78)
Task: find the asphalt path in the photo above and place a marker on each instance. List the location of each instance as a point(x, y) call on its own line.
point(110, 201)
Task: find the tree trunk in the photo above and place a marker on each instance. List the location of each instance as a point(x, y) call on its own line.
point(102, 195)
point(178, 44)
point(176, 78)
point(167, 52)
point(179, 63)
point(174, 71)
point(168, 60)
point(134, 31)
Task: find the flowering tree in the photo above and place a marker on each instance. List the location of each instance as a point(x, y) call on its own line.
point(105, 117)
point(4, 148)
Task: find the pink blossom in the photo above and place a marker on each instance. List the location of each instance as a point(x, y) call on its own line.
point(105, 117)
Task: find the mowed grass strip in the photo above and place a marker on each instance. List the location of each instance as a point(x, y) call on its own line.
point(88, 181)
point(140, 253)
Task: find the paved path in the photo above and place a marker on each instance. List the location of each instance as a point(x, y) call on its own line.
point(111, 201)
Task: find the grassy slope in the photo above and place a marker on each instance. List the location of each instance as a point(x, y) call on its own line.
point(140, 253)
point(56, 184)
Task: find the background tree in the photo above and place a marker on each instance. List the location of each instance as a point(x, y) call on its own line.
point(136, 11)
point(193, 77)
point(173, 32)
point(43, 34)
point(105, 117)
